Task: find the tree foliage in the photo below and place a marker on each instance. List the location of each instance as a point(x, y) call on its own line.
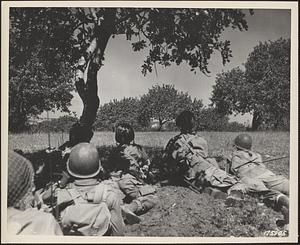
point(210, 119)
point(263, 89)
point(61, 124)
point(56, 37)
point(111, 113)
point(39, 78)
point(165, 102)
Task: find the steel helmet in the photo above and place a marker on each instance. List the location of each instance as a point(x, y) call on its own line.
point(84, 161)
point(243, 141)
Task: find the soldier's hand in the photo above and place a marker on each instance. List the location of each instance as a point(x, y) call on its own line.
point(145, 168)
point(66, 151)
point(50, 150)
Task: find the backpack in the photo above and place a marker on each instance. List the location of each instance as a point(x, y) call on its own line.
point(84, 213)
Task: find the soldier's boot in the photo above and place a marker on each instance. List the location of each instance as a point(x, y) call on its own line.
point(283, 201)
point(215, 193)
point(145, 206)
point(282, 204)
point(234, 198)
point(128, 213)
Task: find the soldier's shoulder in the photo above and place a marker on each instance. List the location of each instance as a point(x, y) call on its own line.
point(197, 137)
point(244, 155)
point(132, 149)
point(239, 153)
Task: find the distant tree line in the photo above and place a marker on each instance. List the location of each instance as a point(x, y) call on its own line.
point(154, 111)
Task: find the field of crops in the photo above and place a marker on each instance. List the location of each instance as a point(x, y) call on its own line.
point(181, 211)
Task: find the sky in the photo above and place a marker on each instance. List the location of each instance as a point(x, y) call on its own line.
point(121, 74)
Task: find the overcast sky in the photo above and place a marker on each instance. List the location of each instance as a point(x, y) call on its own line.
point(121, 74)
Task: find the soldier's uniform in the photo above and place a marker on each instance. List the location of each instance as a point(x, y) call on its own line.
point(88, 207)
point(248, 166)
point(31, 222)
point(187, 157)
point(131, 166)
point(22, 218)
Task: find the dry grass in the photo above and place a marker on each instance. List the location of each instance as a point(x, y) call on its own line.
point(271, 143)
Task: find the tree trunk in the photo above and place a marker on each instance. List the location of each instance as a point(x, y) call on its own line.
point(91, 59)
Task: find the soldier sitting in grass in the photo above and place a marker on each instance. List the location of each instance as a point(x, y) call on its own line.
point(86, 206)
point(187, 160)
point(131, 169)
point(248, 166)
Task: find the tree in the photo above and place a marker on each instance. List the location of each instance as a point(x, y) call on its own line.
point(210, 119)
point(169, 35)
point(32, 90)
point(39, 76)
point(60, 124)
point(165, 102)
point(263, 89)
point(268, 73)
point(125, 110)
point(231, 92)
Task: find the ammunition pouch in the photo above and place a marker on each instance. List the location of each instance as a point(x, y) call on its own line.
point(146, 190)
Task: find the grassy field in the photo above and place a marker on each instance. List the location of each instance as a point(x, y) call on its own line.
point(181, 211)
point(271, 143)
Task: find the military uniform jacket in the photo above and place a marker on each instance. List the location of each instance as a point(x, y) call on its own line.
point(31, 222)
point(245, 163)
point(85, 208)
point(131, 159)
point(188, 150)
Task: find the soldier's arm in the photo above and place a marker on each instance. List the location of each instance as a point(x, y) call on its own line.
point(49, 195)
point(235, 163)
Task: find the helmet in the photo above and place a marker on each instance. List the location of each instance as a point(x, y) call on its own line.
point(124, 133)
point(84, 161)
point(185, 120)
point(243, 141)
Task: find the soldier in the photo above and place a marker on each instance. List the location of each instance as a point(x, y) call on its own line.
point(87, 206)
point(187, 157)
point(131, 171)
point(23, 217)
point(248, 166)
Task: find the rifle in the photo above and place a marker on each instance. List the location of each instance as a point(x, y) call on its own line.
point(53, 205)
point(192, 186)
point(268, 160)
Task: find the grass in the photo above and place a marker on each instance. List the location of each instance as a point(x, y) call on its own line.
point(271, 143)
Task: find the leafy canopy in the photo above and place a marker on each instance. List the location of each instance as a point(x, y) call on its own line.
point(125, 110)
point(263, 89)
point(165, 102)
point(172, 35)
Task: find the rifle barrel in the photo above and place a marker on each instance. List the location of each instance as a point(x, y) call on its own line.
point(274, 159)
point(192, 186)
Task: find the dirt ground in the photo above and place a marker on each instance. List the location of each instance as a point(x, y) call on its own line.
point(184, 213)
